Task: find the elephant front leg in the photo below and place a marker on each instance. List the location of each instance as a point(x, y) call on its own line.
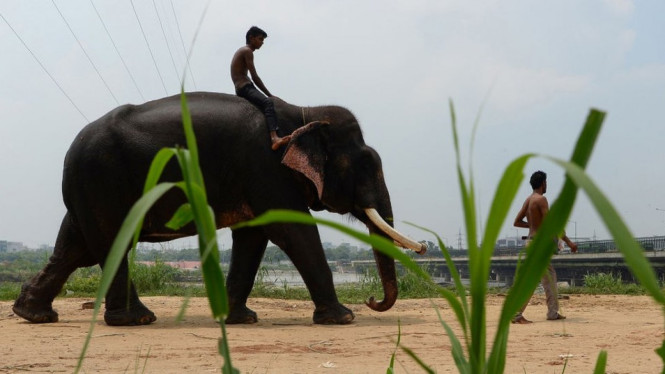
point(249, 244)
point(302, 244)
point(123, 307)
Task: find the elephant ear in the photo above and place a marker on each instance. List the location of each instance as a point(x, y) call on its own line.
point(306, 154)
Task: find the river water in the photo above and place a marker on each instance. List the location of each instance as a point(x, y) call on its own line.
point(292, 278)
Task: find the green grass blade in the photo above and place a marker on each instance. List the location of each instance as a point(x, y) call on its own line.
point(213, 277)
point(191, 139)
point(183, 309)
point(661, 351)
point(204, 220)
point(632, 252)
point(503, 197)
point(157, 166)
point(377, 242)
point(541, 249)
point(224, 350)
point(459, 306)
point(601, 363)
point(119, 250)
point(417, 359)
point(181, 217)
point(480, 260)
point(453, 121)
point(145, 362)
point(478, 285)
point(391, 366)
point(456, 347)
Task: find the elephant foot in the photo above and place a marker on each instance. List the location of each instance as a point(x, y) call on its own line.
point(337, 315)
point(26, 307)
point(36, 315)
point(242, 315)
point(133, 316)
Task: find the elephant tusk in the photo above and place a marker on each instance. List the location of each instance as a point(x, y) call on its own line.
point(399, 239)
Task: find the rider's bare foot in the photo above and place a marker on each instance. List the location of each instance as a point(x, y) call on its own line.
point(278, 142)
point(521, 320)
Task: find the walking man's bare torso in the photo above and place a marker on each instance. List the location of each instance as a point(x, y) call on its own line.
point(534, 209)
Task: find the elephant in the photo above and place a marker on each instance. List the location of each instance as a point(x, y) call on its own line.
point(325, 166)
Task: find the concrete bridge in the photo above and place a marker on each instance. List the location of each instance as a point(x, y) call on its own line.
point(570, 268)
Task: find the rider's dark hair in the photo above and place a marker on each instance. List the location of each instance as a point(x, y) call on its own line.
point(254, 31)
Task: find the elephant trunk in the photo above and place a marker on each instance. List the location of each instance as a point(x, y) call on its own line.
point(386, 264)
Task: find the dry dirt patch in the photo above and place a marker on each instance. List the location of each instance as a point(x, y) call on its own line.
point(286, 341)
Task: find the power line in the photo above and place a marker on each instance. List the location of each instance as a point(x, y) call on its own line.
point(85, 53)
point(196, 35)
point(182, 42)
point(166, 41)
point(149, 49)
point(44, 68)
point(117, 51)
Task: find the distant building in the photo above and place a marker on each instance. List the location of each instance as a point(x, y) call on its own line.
point(7, 246)
point(512, 242)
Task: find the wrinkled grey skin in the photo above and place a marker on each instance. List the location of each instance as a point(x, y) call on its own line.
point(105, 169)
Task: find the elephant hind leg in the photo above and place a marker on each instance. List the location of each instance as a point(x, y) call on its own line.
point(36, 298)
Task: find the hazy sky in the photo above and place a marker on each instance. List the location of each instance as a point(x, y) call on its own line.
point(395, 64)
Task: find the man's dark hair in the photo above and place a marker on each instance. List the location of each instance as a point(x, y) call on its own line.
point(537, 179)
point(254, 31)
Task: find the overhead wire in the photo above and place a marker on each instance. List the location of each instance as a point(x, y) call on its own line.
point(196, 35)
point(145, 38)
point(44, 68)
point(182, 42)
point(85, 53)
point(166, 41)
point(117, 50)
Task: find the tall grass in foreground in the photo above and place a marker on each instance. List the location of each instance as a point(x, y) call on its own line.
point(196, 209)
point(470, 351)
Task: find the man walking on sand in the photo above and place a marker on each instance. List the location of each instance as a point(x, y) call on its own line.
point(241, 64)
point(534, 210)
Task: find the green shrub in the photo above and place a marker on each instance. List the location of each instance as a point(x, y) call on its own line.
point(153, 278)
point(83, 282)
point(9, 290)
point(609, 283)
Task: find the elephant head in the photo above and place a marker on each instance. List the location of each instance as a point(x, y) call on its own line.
point(348, 178)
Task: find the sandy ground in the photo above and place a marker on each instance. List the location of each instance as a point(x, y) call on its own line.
point(285, 340)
